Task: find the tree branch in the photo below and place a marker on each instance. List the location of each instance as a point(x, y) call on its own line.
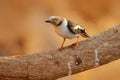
point(51, 65)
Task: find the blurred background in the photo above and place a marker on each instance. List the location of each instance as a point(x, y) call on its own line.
point(23, 30)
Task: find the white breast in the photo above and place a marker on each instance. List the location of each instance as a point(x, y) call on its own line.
point(63, 31)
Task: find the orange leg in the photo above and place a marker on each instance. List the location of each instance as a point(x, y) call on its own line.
point(76, 44)
point(62, 45)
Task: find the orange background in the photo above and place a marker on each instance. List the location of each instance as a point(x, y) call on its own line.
point(23, 30)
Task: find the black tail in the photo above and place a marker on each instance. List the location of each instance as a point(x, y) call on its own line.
point(84, 34)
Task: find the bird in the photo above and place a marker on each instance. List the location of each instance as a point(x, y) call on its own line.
point(67, 29)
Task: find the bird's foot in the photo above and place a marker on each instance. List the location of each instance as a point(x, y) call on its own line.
point(60, 49)
point(75, 45)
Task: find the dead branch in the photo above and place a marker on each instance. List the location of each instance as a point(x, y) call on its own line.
point(93, 52)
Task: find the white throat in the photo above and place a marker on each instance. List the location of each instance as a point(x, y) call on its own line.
point(63, 30)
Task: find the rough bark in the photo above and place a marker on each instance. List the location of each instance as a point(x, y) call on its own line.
point(91, 53)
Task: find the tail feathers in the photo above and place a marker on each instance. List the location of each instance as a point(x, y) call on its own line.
point(84, 34)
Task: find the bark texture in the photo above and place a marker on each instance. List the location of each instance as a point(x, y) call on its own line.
point(91, 53)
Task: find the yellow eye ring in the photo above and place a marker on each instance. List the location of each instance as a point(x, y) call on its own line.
point(55, 19)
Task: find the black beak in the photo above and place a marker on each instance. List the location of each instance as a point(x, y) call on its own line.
point(48, 21)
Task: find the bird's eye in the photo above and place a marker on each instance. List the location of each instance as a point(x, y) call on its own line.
point(55, 19)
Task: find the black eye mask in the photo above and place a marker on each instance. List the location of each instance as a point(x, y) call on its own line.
point(59, 23)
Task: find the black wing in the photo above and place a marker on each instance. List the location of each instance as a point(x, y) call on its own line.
point(71, 26)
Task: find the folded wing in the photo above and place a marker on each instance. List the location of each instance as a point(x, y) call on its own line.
point(77, 29)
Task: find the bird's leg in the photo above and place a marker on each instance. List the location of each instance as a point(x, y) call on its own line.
point(62, 45)
point(76, 44)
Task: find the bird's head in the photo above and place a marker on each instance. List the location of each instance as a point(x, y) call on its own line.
point(55, 20)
